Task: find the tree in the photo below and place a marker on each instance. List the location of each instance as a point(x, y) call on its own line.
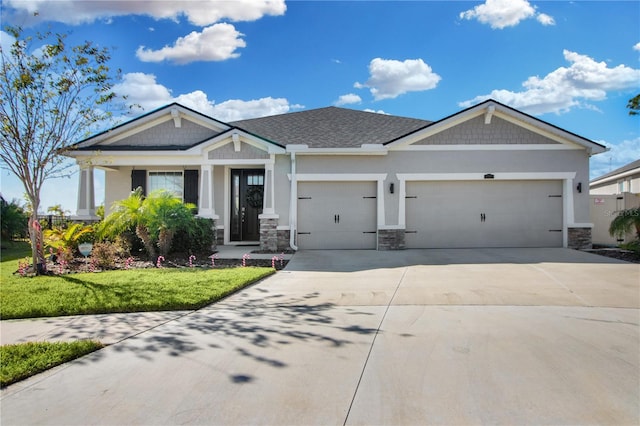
point(50, 97)
point(57, 210)
point(625, 222)
point(13, 219)
point(155, 218)
point(634, 105)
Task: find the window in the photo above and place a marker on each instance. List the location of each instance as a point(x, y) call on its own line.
point(169, 181)
point(255, 179)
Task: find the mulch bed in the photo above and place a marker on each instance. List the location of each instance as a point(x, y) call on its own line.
point(172, 261)
point(616, 253)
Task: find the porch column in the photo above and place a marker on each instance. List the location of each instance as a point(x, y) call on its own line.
point(86, 195)
point(269, 190)
point(269, 218)
point(207, 208)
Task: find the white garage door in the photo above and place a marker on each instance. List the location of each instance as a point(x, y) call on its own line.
point(458, 214)
point(337, 215)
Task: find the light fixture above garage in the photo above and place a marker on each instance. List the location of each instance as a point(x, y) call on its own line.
point(489, 176)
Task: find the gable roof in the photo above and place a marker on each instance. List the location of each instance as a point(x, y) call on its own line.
point(491, 107)
point(325, 128)
point(149, 117)
point(331, 127)
point(631, 167)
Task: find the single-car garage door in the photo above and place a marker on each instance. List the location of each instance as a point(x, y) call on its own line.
point(459, 214)
point(337, 215)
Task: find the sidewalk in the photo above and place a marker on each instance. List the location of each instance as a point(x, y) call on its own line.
point(106, 328)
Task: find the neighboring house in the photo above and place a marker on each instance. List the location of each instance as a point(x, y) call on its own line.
point(335, 178)
point(610, 193)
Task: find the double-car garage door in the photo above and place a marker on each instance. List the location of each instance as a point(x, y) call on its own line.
point(439, 214)
point(460, 214)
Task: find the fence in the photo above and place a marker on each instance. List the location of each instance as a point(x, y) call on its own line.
point(49, 221)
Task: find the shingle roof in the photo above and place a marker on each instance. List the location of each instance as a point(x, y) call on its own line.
point(625, 168)
point(331, 127)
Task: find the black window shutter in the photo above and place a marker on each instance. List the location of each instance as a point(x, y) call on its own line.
point(139, 179)
point(191, 186)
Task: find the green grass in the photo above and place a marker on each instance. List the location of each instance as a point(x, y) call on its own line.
point(134, 290)
point(19, 361)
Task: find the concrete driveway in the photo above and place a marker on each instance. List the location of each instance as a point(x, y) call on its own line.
point(495, 336)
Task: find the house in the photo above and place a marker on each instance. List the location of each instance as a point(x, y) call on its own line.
point(610, 193)
point(335, 178)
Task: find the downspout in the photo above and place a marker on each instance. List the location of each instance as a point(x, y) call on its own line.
point(293, 211)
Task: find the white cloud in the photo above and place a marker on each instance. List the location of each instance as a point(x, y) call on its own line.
point(236, 109)
point(500, 14)
point(201, 13)
point(636, 46)
point(215, 43)
point(390, 78)
point(619, 155)
point(349, 98)
point(6, 41)
point(142, 89)
point(379, 111)
point(545, 19)
point(566, 87)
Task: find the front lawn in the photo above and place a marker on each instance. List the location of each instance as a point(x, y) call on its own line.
point(134, 290)
point(23, 360)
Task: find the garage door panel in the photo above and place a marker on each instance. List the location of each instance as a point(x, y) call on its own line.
point(337, 215)
point(484, 214)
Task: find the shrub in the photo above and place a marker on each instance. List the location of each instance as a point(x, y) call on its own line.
point(198, 238)
point(105, 254)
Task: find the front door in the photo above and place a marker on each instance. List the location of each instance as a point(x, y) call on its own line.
point(247, 190)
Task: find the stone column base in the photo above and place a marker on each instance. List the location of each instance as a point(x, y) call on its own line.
point(391, 239)
point(283, 240)
point(579, 238)
point(269, 234)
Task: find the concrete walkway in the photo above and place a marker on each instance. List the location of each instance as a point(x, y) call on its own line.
point(547, 336)
point(107, 328)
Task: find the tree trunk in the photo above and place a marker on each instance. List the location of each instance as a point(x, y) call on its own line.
point(37, 246)
point(164, 240)
point(143, 233)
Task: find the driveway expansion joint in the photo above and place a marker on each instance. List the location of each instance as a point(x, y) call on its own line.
point(373, 342)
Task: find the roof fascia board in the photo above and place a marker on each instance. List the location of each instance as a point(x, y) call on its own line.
point(490, 147)
point(615, 177)
point(365, 149)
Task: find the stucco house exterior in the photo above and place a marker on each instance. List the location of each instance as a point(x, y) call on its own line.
point(336, 178)
point(611, 193)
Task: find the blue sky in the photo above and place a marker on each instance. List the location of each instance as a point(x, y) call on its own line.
point(574, 64)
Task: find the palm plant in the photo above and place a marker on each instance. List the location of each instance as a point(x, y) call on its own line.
point(127, 213)
point(625, 222)
point(155, 219)
point(66, 239)
point(167, 214)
